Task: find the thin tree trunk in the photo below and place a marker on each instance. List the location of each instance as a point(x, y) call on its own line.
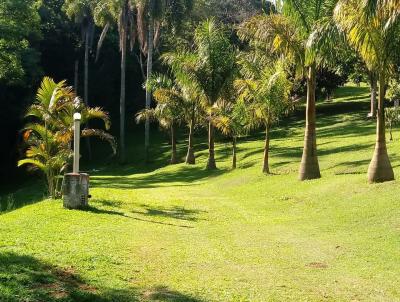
point(149, 72)
point(374, 89)
point(174, 159)
point(309, 168)
point(391, 131)
point(380, 169)
point(234, 151)
point(86, 83)
point(76, 76)
point(266, 150)
point(122, 97)
point(190, 158)
point(211, 165)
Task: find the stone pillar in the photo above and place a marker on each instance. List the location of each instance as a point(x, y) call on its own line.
point(76, 190)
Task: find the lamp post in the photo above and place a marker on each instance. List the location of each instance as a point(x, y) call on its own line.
point(76, 184)
point(77, 136)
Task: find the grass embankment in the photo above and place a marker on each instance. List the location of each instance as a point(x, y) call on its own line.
point(180, 233)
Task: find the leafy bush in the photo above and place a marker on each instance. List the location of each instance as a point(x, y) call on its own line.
point(49, 134)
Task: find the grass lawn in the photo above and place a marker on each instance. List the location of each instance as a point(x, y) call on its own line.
point(180, 233)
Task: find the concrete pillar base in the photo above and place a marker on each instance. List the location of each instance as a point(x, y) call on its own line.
point(76, 190)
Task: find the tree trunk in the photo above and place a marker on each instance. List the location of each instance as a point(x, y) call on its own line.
point(190, 158)
point(374, 89)
point(380, 169)
point(309, 168)
point(211, 165)
point(391, 131)
point(86, 83)
point(149, 72)
point(122, 96)
point(76, 76)
point(174, 159)
point(266, 150)
point(234, 159)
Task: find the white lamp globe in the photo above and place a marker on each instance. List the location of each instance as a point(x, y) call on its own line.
point(77, 116)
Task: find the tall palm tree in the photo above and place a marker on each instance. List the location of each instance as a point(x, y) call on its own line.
point(288, 34)
point(372, 27)
point(82, 11)
point(121, 12)
point(211, 66)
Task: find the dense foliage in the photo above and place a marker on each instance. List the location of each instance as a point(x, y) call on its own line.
point(204, 78)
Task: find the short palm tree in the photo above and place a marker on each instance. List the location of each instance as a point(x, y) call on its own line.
point(168, 112)
point(265, 90)
point(211, 67)
point(152, 15)
point(229, 117)
point(50, 133)
point(372, 28)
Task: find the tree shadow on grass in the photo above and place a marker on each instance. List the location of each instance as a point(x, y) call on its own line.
point(181, 177)
point(163, 293)
point(175, 212)
point(25, 278)
point(27, 195)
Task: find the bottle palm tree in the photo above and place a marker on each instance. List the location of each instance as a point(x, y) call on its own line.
point(211, 67)
point(372, 28)
point(288, 34)
point(49, 136)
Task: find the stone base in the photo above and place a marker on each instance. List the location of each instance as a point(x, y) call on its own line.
point(76, 191)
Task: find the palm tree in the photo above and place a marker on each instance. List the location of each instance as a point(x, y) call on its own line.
point(265, 89)
point(82, 11)
point(151, 16)
point(230, 119)
point(50, 132)
point(374, 34)
point(211, 67)
point(168, 111)
point(121, 12)
point(288, 35)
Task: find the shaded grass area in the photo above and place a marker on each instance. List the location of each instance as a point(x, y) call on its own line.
point(180, 233)
point(25, 278)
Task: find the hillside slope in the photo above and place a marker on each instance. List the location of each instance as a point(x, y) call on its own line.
point(180, 233)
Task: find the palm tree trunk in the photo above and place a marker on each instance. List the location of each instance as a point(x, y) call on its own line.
point(374, 89)
point(380, 169)
point(76, 76)
point(122, 96)
point(211, 165)
point(234, 151)
point(309, 168)
point(149, 72)
point(174, 159)
point(266, 150)
point(86, 82)
point(190, 158)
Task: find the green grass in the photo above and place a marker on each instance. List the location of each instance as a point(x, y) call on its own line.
point(179, 233)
